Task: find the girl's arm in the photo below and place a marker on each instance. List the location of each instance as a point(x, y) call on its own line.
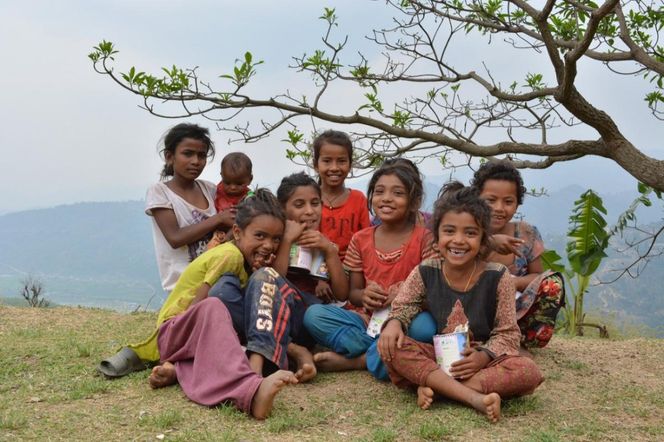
point(505, 336)
point(405, 306)
point(356, 288)
point(180, 236)
point(201, 294)
point(370, 296)
point(534, 269)
point(533, 247)
point(409, 299)
point(292, 232)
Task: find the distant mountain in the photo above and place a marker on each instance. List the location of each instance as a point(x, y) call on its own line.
point(88, 253)
point(101, 254)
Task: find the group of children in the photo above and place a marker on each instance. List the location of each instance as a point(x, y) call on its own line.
point(239, 324)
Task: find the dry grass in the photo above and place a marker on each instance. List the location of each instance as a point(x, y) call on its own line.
point(595, 390)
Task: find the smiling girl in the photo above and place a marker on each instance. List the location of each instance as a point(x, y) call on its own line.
point(345, 210)
point(195, 344)
point(460, 288)
point(519, 246)
point(378, 259)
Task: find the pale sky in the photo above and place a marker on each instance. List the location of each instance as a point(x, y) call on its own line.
point(70, 135)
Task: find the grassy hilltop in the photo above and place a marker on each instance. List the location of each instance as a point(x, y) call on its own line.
point(594, 390)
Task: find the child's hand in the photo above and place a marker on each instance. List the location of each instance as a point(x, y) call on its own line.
point(218, 238)
point(260, 262)
point(390, 339)
point(391, 294)
point(373, 296)
point(473, 362)
point(315, 240)
point(293, 231)
point(506, 244)
point(324, 292)
point(226, 217)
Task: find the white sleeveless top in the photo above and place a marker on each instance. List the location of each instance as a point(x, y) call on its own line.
point(172, 262)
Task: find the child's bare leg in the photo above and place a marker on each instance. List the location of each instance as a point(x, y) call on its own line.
point(261, 404)
point(256, 362)
point(449, 387)
point(331, 361)
point(306, 369)
point(163, 375)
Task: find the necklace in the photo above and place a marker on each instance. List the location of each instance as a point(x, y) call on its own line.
point(330, 201)
point(465, 289)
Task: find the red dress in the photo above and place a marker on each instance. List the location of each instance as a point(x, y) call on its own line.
point(340, 223)
point(389, 269)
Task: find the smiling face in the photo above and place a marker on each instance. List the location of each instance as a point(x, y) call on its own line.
point(389, 200)
point(259, 240)
point(333, 165)
point(459, 239)
point(189, 159)
point(304, 206)
point(502, 198)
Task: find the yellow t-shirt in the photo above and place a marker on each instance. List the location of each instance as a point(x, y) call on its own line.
point(207, 268)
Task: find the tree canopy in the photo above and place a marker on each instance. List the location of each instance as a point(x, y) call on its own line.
point(443, 115)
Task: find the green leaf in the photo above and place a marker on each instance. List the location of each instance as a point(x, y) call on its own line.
point(552, 261)
point(588, 237)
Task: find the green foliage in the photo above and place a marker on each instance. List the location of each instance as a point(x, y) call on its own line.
point(588, 240)
point(374, 103)
point(320, 63)
point(589, 237)
point(415, 51)
point(244, 71)
point(534, 81)
point(401, 118)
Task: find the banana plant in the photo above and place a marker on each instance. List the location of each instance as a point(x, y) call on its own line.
point(588, 238)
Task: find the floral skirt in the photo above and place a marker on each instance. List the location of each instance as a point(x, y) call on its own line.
point(537, 308)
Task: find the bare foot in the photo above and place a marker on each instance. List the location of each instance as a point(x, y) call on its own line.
point(491, 407)
point(331, 361)
point(261, 405)
point(424, 397)
point(306, 370)
point(163, 375)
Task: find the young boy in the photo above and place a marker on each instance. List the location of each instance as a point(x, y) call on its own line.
point(236, 175)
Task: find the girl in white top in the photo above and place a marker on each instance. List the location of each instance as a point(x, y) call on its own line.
point(182, 208)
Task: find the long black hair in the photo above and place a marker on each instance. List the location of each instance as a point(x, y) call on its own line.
point(410, 177)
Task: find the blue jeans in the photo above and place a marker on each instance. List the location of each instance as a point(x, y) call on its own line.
point(267, 315)
point(422, 328)
point(344, 332)
point(340, 330)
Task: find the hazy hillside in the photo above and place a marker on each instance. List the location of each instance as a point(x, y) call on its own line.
point(88, 253)
point(101, 254)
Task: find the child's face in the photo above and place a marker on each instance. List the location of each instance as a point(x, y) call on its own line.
point(259, 240)
point(502, 198)
point(189, 159)
point(390, 200)
point(333, 165)
point(459, 238)
point(235, 182)
point(304, 206)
